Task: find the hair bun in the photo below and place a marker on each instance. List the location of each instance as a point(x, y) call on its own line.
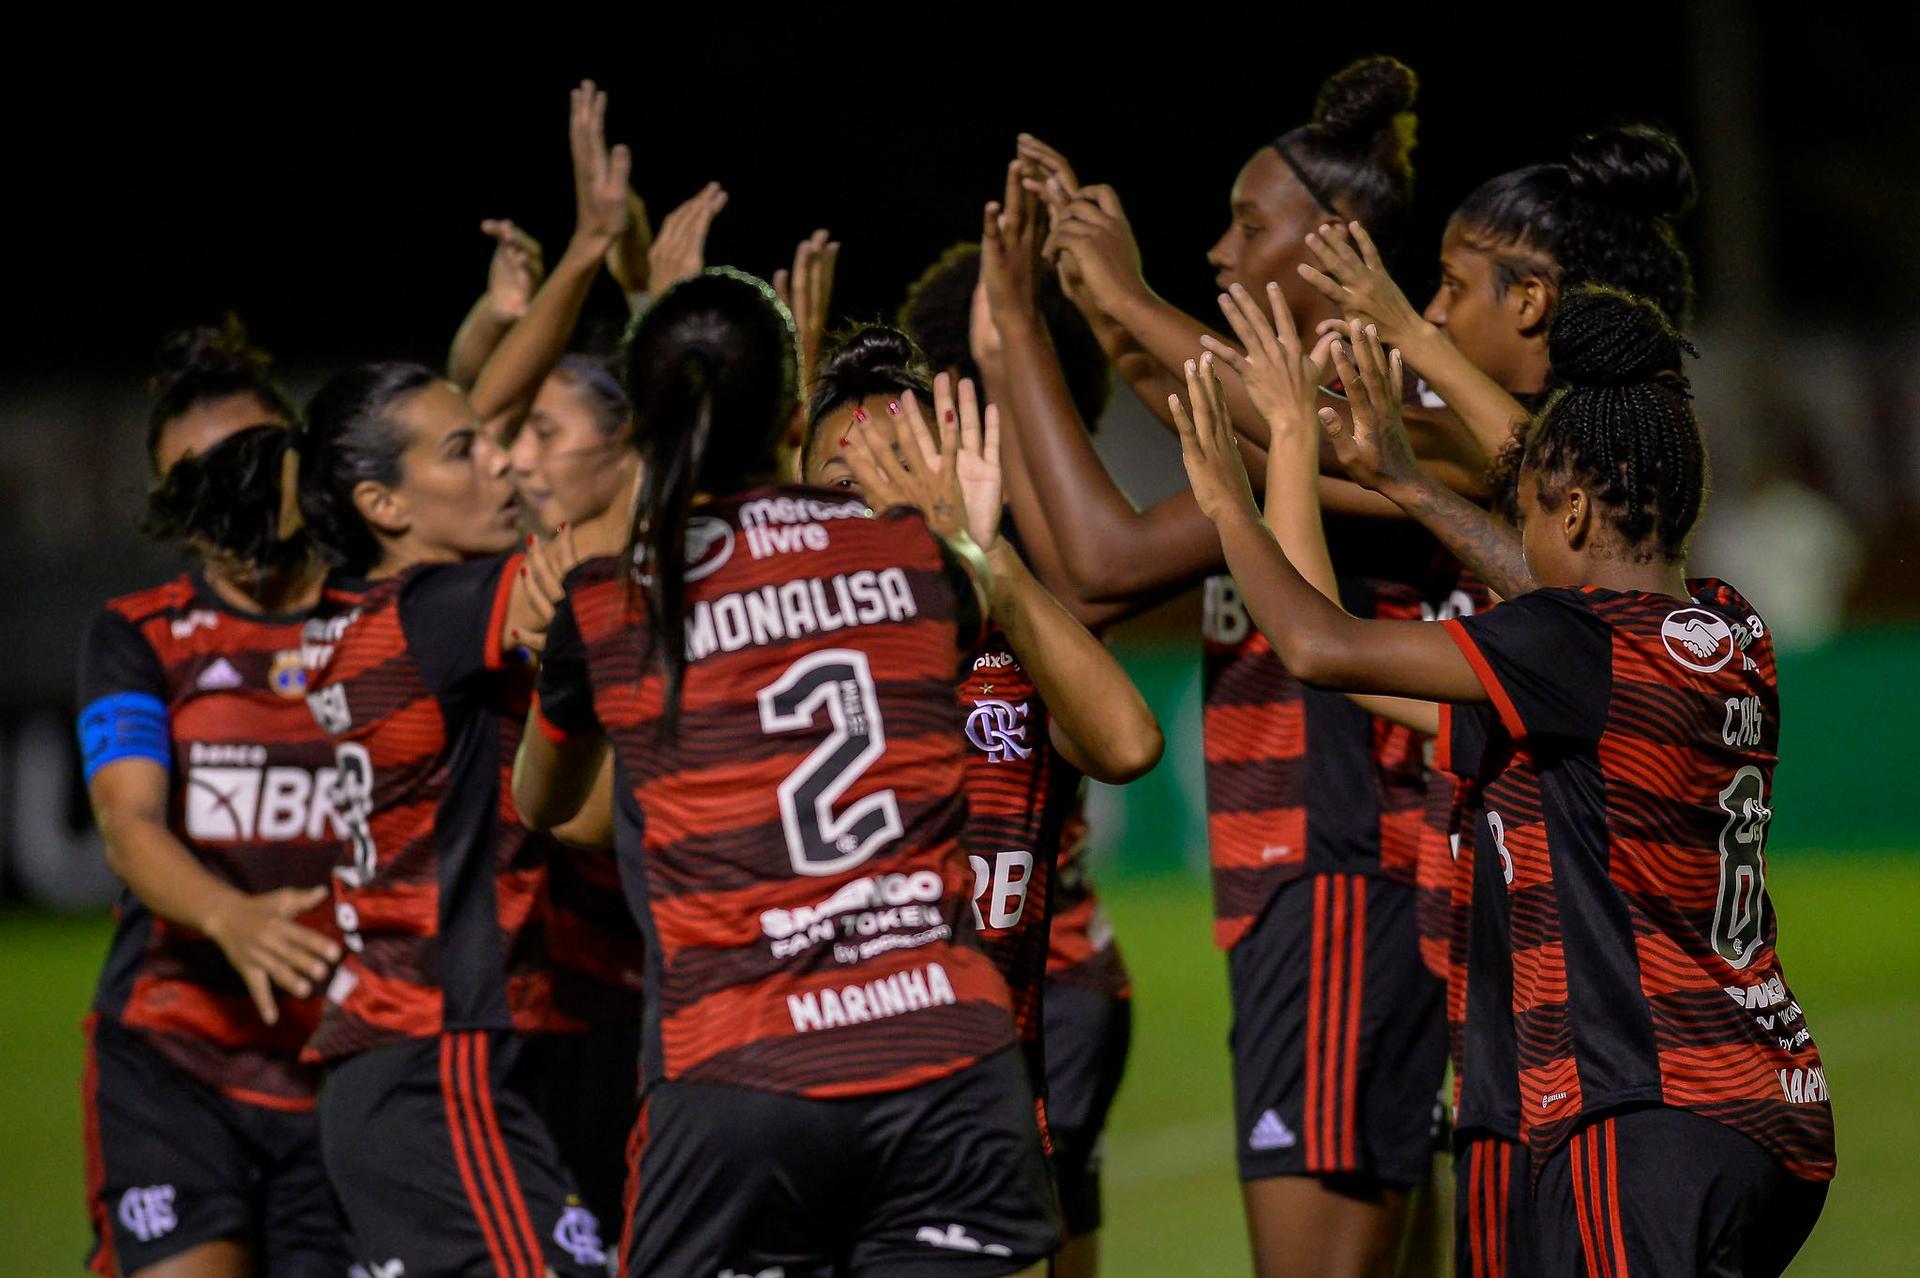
point(207, 350)
point(1360, 102)
point(1637, 168)
point(1609, 337)
point(867, 347)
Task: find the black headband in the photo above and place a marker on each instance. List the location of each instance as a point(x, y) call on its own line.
point(1280, 145)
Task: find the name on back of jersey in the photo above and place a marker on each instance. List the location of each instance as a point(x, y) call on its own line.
point(795, 609)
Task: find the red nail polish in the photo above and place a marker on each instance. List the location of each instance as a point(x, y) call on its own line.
point(893, 406)
point(846, 441)
point(859, 414)
point(949, 416)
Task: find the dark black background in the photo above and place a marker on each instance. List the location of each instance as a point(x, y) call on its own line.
point(328, 184)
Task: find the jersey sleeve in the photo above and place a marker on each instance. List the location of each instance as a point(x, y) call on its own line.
point(1545, 662)
point(564, 704)
point(1460, 749)
point(453, 615)
point(123, 696)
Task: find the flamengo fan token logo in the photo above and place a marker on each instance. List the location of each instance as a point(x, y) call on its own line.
point(709, 545)
point(1697, 639)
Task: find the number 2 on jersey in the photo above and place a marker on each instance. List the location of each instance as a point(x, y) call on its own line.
point(819, 839)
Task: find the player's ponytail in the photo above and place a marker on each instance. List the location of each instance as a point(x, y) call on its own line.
point(1355, 157)
point(711, 370)
point(1621, 423)
point(1604, 215)
point(351, 437)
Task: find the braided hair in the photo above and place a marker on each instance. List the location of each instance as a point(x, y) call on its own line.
point(1621, 422)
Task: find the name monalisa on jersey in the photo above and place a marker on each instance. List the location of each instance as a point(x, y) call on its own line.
point(797, 608)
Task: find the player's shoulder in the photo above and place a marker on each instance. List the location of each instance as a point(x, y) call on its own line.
point(168, 600)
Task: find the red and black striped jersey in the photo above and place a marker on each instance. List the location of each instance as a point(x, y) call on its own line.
point(794, 849)
point(437, 891)
point(1301, 780)
point(1472, 749)
point(593, 945)
point(217, 697)
point(1644, 968)
point(1081, 949)
point(1018, 790)
point(1444, 814)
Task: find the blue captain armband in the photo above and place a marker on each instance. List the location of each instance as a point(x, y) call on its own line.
point(126, 725)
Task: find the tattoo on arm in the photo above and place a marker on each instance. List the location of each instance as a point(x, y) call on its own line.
point(1488, 547)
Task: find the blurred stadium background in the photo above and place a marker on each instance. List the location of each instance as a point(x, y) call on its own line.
point(331, 196)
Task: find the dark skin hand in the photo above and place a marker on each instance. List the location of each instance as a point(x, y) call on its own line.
point(1319, 641)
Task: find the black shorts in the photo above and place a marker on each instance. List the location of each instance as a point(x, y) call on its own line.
point(1650, 1192)
point(1086, 1034)
point(1339, 1035)
point(1494, 1234)
point(586, 1088)
point(173, 1164)
point(945, 1179)
point(443, 1165)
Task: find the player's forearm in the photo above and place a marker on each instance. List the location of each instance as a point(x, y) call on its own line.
point(552, 780)
point(512, 375)
point(480, 333)
point(1111, 734)
point(1110, 551)
point(1483, 406)
point(1489, 547)
point(592, 826)
point(1036, 537)
point(1172, 337)
point(160, 870)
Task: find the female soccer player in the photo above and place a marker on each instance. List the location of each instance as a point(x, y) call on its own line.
point(438, 1154)
point(831, 1080)
point(210, 786)
point(438, 1157)
point(1315, 811)
point(1624, 722)
point(1513, 247)
point(1046, 703)
point(1087, 1004)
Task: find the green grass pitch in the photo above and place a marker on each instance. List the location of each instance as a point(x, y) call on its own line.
point(1850, 945)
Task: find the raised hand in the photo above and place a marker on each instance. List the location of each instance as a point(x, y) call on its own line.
point(1093, 230)
point(954, 481)
point(680, 249)
point(1352, 276)
point(808, 292)
point(977, 462)
point(627, 256)
point(1010, 240)
point(539, 588)
point(267, 947)
point(1283, 381)
point(1371, 442)
point(1044, 167)
point(599, 174)
point(1208, 447)
point(515, 272)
